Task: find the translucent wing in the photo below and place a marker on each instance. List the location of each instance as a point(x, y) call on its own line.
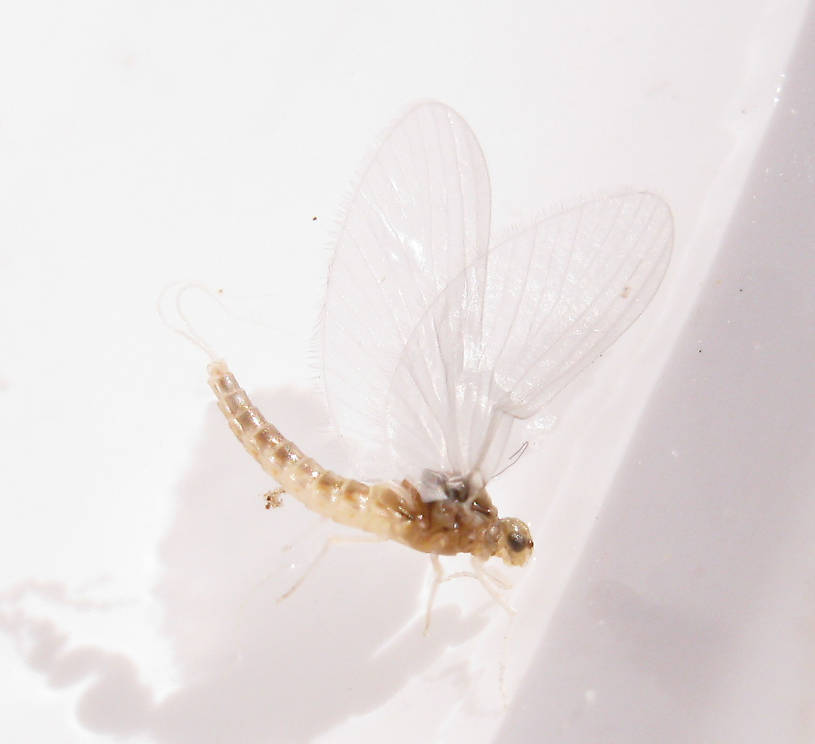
point(518, 324)
point(420, 215)
point(434, 345)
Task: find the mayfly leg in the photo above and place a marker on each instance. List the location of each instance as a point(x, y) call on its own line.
point(329, 543)
point(437, 580)
point(479, 573)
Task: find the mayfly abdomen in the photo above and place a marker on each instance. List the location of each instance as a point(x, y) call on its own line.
point(279, 457)
point(342, 499)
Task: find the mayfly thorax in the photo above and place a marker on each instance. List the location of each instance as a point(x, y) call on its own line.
point(437, 341)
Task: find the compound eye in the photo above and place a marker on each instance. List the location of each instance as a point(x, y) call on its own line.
point(516, 542)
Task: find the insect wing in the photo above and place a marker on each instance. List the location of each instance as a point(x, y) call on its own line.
point(419, 216)
point(518, 324)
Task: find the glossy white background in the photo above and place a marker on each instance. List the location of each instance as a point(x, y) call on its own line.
point(142, 143)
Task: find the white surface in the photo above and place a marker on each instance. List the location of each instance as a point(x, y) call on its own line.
point(145, 143)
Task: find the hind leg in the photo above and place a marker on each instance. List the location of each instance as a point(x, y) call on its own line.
point(329, 543)
point(491, 582)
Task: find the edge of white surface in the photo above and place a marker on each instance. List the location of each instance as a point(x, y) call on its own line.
point(703, 549)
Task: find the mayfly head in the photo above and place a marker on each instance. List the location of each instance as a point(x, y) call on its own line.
point(510, 540)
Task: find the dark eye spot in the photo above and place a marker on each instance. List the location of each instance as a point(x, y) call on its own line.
point(516, 542)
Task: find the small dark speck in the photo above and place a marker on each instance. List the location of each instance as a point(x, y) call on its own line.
point(313, 219)
point(700, 351)
point(740, 289)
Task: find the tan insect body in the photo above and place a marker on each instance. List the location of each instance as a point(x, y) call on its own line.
point(396, 511)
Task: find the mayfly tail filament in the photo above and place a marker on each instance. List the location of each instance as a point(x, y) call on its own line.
point(174, 293)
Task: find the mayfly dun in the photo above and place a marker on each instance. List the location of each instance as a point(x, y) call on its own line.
point(437, 342)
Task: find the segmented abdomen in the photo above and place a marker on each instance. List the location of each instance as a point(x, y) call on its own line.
point(342, 499)
point(391, 510)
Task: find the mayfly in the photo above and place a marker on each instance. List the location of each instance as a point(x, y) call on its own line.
point(436, 342)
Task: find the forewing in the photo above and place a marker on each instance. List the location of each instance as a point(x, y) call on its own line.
point(419, 216)
point(518, 324)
